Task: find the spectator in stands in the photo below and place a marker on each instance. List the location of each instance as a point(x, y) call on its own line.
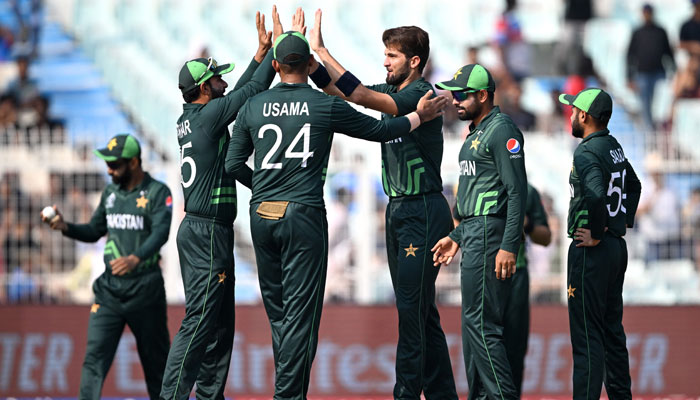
point(691, 224)
point(23, 89)
point(647, 50)
point(514, 52)
point(6, 41)
point(510, 105)
point(686, 83)
point(8, 112)
point(659, 214)
point(690, 31)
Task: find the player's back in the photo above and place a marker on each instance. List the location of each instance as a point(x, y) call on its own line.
point(290, 127)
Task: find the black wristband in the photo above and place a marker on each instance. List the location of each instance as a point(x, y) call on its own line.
point(320, 77)
point(347, 83)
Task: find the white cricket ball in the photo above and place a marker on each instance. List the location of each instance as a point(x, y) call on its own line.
point(48, 212)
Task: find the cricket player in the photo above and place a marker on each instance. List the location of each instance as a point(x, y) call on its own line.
point(491, 199)
point(201, 350)
point(605, 193)
point(417, 215)
point(290, 128)
point(135, 213)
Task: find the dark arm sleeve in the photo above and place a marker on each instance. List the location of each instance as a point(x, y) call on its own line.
point(511, 171)
point(247, 74)
point(668, 51)
point(93, 230)
point(161, 216)
point(240, 147)
point(225, 109)
point(535, 210)
point(594, 192)
point(347, 120)
point(633, 191)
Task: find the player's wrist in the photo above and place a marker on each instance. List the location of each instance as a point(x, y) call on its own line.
point(320, 76)
point(347, 83)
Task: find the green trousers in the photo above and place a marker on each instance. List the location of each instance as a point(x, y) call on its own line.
point(595, 277)
point(516, 325)
point(292, 258)
point(144, 311)
point(413, 225)
point(483, 309)
point(201, 350)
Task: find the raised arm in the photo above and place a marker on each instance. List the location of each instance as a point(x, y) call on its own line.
point(350, 90)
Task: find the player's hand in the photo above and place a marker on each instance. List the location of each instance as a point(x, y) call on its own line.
point(505, 264)
point(123, 265)
point(276, 24)
point(444, 251)
point(428, 108)
point(584, 236)
point(264, 37)
point(315, 37)
point(56, 223)
point(298, 21)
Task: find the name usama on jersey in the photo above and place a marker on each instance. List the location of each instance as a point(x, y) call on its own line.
point(285, 109)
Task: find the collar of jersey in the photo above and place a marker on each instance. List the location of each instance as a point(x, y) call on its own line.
point(596, 134)
point(294, 85)
point(413, 83)
point(482, 125)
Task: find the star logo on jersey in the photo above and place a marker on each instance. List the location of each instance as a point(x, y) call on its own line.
point(475, 143)
point(141, 202)
point(222, 277)
point(458, 73)
point(410, 250)
point(570, 291)
point(112, 144)
point(94, 308)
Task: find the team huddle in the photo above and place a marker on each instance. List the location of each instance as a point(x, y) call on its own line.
point(289, 130)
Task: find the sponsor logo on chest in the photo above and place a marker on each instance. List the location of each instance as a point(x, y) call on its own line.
point(467, 167)
point(125, 221)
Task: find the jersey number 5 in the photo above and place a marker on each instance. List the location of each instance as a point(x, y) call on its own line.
point(187, 160)
point(304, 154)
point(619, 190)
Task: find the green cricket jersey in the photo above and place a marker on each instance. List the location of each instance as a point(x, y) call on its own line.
point(202, 132)
point(291, 127)
point(492, 179)
point(604, 188)
point(534, 210)
point(411, 163)
point(136, 222)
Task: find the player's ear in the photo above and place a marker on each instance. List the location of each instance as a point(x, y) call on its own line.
point(276, 66)
point(414, 62)
point(204, 89)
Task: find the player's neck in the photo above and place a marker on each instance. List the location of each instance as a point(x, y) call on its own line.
point(413, 76)
point(136, 179)
point(487, 109)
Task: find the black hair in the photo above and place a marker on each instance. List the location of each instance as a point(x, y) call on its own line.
point(193, 94)
point(411, 40)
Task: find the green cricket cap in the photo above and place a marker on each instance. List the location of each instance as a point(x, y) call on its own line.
point(472, 77)
point(120, 146)
point(197, 71)
point(291, 48)
point(593, 101)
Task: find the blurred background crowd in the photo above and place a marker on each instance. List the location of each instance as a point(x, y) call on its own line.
point(75, 72)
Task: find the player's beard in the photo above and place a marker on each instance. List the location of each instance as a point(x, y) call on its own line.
point(576, 129)
point(217, 92)
point(469, 115)
point(397, 78)
point(123, 178)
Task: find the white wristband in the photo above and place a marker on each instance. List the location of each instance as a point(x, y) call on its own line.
point(414, 119)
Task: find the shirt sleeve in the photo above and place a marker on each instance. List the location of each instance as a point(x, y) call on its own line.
point(511, 171)
point(247, 74)
point(594, 193)
point(240, 147)
point(93, 230)
point(347, 120)
point(535, 210)
point(160, 208)
point(633, 191)
point(225, 109)
point(632, 56)
point(407, 100)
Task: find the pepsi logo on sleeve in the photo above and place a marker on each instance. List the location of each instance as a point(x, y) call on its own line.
point(513, 145)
